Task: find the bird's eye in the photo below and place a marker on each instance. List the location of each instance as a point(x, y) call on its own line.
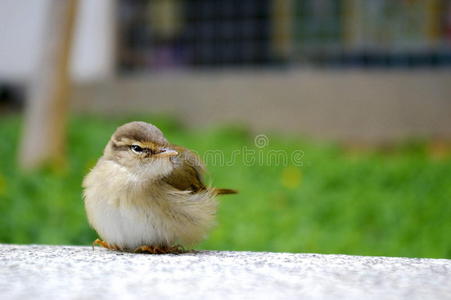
point(136, 148)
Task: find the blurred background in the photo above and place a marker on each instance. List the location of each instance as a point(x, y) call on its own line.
point(361, 88)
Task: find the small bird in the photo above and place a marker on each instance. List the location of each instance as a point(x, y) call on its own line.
point(146, 195)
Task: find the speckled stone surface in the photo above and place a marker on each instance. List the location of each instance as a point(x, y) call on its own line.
point(67, 272)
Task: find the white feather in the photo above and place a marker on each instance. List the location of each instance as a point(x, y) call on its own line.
point(129, 212)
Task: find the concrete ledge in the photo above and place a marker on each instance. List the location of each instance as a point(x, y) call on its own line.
point(67, 272)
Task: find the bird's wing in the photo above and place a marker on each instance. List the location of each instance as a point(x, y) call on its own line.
point(187, 174)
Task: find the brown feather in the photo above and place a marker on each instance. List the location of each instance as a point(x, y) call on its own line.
point(219, 191)
point(187, 176)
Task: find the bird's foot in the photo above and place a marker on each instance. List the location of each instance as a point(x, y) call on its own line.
point(104, 244)
point(177, 249)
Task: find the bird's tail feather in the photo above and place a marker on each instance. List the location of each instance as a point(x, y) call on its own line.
point(219, 191)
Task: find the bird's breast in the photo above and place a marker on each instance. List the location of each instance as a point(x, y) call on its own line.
point(129, 215)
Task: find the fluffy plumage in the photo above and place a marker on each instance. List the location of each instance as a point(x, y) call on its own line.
point(145, 192)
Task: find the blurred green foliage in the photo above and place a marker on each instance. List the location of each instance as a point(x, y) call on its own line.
point(391, 203)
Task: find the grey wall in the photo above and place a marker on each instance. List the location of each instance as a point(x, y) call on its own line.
point(347, 105)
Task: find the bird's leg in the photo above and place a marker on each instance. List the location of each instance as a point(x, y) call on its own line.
point(160, 249)
point(177, 249)
point(148, 249)
point(105, 245)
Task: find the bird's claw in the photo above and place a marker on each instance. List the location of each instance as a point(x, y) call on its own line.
point(99, 242)
point(177, 249)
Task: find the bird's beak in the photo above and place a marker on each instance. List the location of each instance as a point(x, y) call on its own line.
point(166, 152)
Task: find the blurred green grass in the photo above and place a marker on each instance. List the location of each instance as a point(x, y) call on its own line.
point(393, 203)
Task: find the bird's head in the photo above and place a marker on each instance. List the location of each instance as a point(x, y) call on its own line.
point(142, 149)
